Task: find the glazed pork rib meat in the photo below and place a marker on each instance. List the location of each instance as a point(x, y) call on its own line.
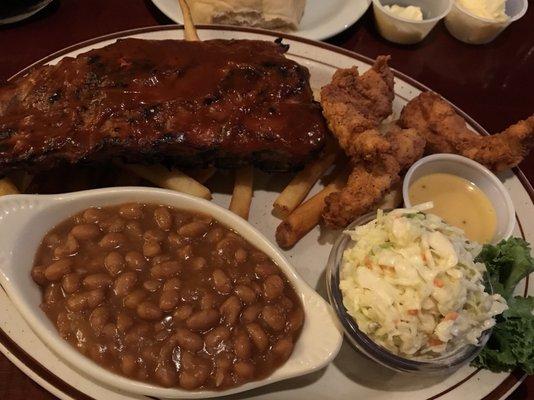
point(218, 102)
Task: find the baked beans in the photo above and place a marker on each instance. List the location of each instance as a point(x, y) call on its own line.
point(166, 296)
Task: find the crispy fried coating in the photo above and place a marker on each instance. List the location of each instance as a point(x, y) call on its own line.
point(446, 132)
point(354, 104)
point(370, 181)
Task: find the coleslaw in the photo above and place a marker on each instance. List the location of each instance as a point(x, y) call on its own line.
point(411, 284)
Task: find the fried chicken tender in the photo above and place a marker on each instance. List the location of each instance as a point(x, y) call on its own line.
point(354, 104)
point(370, 181)
point(446, 132)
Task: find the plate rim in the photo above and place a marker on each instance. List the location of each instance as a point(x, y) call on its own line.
point(512, 380)
point(329, 34)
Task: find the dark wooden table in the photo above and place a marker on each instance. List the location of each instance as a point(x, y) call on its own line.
point(493, 83)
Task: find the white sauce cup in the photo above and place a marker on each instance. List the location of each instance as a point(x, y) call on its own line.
point(406, 31)
point(474, 172)
point(472, 29)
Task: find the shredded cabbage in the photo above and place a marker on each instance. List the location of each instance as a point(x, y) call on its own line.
point(411, 283)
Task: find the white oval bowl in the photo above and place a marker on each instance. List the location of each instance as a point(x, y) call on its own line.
point(25, 219)
point(474, 172)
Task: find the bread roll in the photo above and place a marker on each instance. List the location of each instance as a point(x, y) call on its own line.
point(269, 14)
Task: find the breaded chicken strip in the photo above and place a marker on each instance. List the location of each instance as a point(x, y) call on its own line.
point(370, 181)
point(354, 104)
point(446, 132)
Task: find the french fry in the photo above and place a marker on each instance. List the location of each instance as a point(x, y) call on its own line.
point(242, 195)
point(7, 187)
point(306, 216)
point(303, 182)
point(202, 175)
point(190, 32)
point(169, 179)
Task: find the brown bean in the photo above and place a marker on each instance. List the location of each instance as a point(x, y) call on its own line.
point(165, 270)
point(166, 374)
point(263, 270)
point(135, 260)
point(246, 294)
point(172, 284)
point(163, 218)
point(52, 294)
point(99, 318)
point(152, 285)
point(56, 271)
point(295, 320)
point(112, 240)
point(221, 281)
point(162, 335)
point(286, 303)
point(131, 211)
point(97, 281)
point(77, 302)
point(251, 313)
point(113, 224)
point(124, 283)
point(203, 320)
point(274, 317)
point(217, 335)
point(240, 255)
point(109, 332)
point(95, 297)
point(124, 322)
point(71, 282)
point(258, 336)
point(193, 229)
point(169, 299)
point(242, 345)
point(161, 258)
point(207, 301)
point(128, 364)
point(273, 287)
point(63, 324)
point(198, 263)
point(185, 253)
point(223, 362)
point(85, 231)
point(38, 275)
point(283, 348)
point(154, 235)
point(183, 312)
point(148, 310)
point(69, 248)
point(215, 235)
point(133, 229)
point(94, 264)
point(189, 340)
point(114, 263)
point(135, 298)
point(188, 380)
point(137, 334)
point(230, 310)
point(244, 369)
point(93, 215)
point(151, 248)
point(174, 240)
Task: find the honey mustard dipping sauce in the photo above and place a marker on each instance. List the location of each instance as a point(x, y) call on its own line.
point(459, 202)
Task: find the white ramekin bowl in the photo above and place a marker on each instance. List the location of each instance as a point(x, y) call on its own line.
point(25, 219)
point(406, 31)
point(473, 172)
point(472, 29)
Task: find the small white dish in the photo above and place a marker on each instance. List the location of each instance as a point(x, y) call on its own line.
point(322, 18)
point(473, 172)
point(25, 219)
point(472, 29)
point(408, 31)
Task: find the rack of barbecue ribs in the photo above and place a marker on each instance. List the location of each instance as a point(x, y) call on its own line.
point(226, 103)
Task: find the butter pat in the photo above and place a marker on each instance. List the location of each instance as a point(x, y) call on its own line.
point(488, 9)
point(411, 12)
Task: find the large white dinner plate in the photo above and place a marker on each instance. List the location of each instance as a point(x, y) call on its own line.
point(351, 375)
point(322, 18)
